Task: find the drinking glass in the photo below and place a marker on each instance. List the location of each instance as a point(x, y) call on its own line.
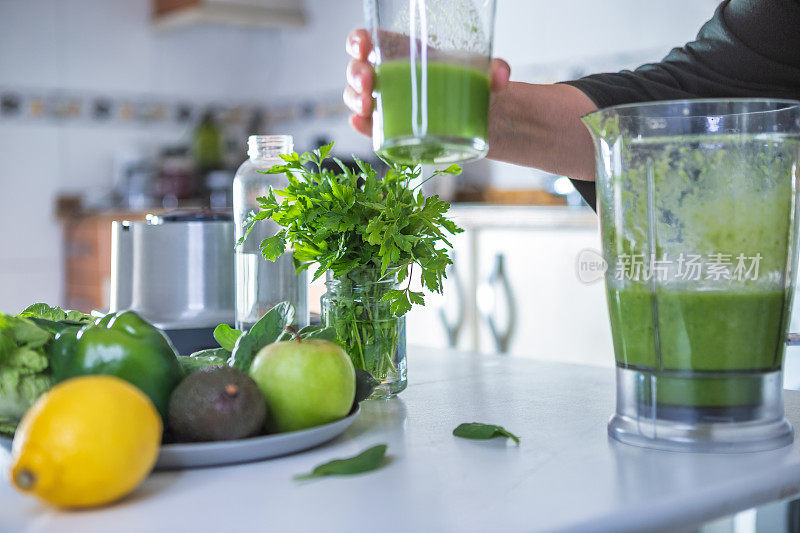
point(432, 84)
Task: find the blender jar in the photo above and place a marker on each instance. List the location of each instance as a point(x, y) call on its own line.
point(698, 208)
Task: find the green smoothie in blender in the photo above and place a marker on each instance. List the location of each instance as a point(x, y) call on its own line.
point(704, 336)
point(707, 334)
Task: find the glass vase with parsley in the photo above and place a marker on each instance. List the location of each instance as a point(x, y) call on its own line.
point(371, 236)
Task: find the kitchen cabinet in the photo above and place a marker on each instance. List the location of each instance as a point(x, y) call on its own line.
point(87, 262)
point(514, 287)
point(447, 319)
point(555, 315)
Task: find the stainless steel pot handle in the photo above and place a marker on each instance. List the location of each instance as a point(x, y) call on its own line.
point(453, 329)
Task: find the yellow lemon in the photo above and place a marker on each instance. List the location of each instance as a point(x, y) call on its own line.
point(88, 441)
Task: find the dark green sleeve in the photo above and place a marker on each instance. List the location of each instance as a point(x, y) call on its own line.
point(750, 48)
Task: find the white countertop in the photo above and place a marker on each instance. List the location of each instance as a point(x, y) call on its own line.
point(566, 475)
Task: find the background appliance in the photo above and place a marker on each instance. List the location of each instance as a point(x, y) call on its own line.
point(176, 270)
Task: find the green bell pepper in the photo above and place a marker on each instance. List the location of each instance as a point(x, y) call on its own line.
point(122, 345)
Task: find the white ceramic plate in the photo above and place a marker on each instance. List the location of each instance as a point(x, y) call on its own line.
point(199, 454)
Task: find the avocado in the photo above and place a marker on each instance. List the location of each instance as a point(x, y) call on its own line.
point(365, 385)
point(216, 403)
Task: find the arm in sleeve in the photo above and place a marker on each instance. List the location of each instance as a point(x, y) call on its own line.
point(750, 48)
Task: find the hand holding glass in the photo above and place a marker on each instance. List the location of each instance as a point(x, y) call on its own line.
point(432, 78)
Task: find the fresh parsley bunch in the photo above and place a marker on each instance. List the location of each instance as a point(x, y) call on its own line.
point(354, 222)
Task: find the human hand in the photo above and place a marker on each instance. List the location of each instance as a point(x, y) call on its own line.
point(361, 80)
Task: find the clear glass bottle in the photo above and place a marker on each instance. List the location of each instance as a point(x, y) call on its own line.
point(260, 284)
point(371, 334)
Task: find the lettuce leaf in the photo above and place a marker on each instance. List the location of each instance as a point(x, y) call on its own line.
point(24, 368)
point(55, 314)
point(7, 427)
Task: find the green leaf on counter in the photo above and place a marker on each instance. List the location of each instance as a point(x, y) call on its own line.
point(226, 336)
point(478, 431)
point(370, 459)
point(266, 331)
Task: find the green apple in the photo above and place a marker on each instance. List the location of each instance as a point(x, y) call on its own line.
point(306, 383)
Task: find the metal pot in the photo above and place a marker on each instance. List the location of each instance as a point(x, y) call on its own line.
point(176, 270)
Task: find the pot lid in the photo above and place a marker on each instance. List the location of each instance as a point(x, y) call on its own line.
point(191, 215)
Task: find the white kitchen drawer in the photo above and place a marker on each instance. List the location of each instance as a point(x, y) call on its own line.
point(555, 315)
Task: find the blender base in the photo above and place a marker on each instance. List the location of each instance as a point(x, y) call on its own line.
point(755, 424)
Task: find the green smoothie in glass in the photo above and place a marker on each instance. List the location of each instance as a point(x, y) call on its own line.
point(434, 112)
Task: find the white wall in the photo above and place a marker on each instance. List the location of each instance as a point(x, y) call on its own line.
point(101, 45)
point(97, 45)
point(313, 63)
point(531, 32)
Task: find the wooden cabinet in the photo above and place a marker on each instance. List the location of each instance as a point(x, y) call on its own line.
point(87, 258)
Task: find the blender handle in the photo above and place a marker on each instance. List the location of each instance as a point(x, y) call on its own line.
point(793, 339)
